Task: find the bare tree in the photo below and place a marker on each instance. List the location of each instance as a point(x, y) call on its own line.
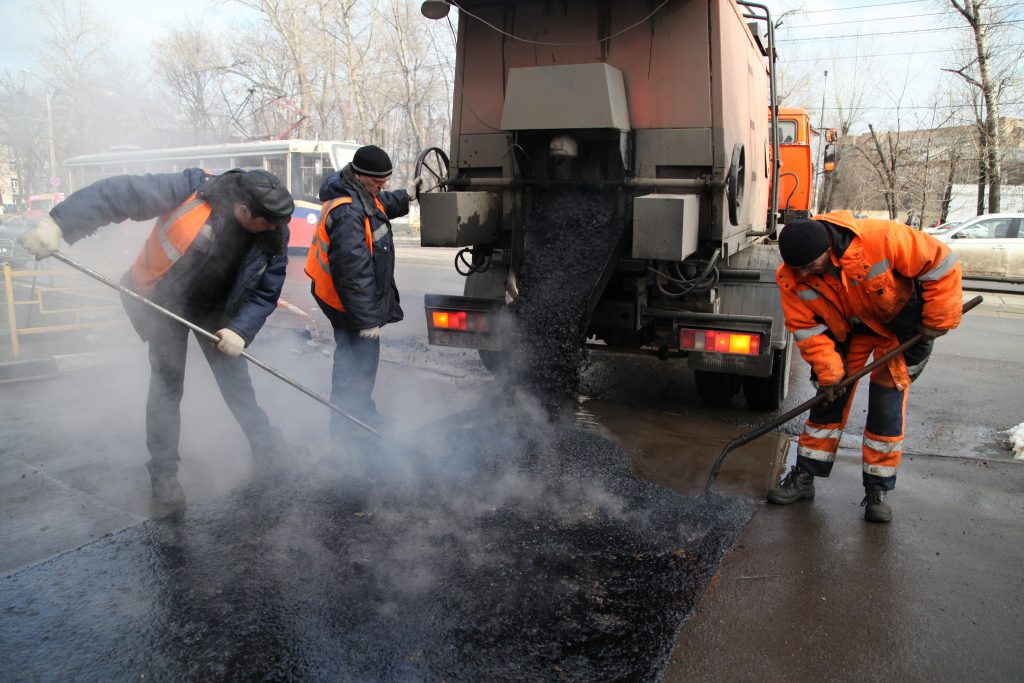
point(983, 18)
point(190, 63)
point(849, 94)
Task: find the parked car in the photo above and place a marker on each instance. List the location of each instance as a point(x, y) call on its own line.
point(989, 246)
point(942, 228)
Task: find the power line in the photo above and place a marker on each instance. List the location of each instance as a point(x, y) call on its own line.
point(861, 21)
point(918, 106)
point(895, 33)
point(880, 4)
point(886, 54)
point(887, 4)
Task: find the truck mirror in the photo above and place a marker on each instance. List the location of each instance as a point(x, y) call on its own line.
point(830, 158)
point(831, 135)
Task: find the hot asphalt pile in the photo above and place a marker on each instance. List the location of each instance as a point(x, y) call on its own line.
point(569, 235)
point(490, 549)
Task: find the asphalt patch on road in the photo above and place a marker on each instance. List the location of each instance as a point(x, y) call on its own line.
point(470, 553)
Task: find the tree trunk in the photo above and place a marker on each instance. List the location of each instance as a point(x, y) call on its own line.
point(947, 193)
point(971, 10)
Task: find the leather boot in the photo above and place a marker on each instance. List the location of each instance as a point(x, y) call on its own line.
point(875, 507)
point(798, 484)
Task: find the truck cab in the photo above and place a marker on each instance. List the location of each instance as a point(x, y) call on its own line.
point(796, 172)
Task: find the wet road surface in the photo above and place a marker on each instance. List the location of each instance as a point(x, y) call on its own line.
point(462, 567)
point(515, 552)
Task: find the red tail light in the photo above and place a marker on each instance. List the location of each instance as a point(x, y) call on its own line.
point(461, 321)
point(719, 341)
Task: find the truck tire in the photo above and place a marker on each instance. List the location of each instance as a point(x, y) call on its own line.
point(493, 360)
point(716, 389)
point(768, 393)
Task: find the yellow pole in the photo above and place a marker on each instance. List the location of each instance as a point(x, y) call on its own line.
point(12, 318)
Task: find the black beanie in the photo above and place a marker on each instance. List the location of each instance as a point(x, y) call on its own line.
point(268, 196)
point(802, 241)
point(372, 161)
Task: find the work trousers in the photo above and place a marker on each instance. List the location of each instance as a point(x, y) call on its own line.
point(883, 432)
point(352, 381)
point(168, 343)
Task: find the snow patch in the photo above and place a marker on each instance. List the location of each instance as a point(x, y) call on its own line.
point(1017, 441)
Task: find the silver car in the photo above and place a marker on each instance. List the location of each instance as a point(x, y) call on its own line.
point(989, 246)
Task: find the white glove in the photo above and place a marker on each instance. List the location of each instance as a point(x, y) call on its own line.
point(370, 333)
point(414, 188)
point(230, 343)
point(43, 239)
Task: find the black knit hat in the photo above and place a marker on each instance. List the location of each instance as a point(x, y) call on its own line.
point(372, 161)
point(802, 241)
point(267, 196)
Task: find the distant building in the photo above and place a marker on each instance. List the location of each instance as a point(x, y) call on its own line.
point(929, 162)
point(963, 201)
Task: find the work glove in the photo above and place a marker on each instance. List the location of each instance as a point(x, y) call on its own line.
point(370, 333)
point(231, 343)
point(43, 239)
point(414, 188)
point(930, 333)
point(830, 391)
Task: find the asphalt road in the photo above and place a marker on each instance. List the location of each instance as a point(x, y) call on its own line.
point(487, 541)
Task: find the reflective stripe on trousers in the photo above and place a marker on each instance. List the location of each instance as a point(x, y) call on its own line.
point(882, 446)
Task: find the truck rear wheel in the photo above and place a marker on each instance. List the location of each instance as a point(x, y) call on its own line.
point(716, 389)
point(492, 360)
point(768, 393)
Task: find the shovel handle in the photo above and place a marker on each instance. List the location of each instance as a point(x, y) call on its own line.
point(209, 335)
point(815, 400)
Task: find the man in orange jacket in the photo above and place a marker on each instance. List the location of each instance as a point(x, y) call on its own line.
point(852, 288)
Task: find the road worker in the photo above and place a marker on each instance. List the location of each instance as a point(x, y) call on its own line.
point(352, 267)
point(216, 256)
point(852, 288)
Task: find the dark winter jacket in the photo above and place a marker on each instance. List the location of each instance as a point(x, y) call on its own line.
point(365, 282)
point(257, 285)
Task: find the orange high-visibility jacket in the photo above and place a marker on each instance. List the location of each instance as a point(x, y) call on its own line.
point(878, 273)
point(168, 241)
point(317, 266)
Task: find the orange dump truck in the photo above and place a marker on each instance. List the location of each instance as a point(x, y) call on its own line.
point(644, 123)
point(796, 168)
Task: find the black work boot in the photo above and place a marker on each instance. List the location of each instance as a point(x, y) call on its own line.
point(875, 507)
point(799, 483)
point(168, 496)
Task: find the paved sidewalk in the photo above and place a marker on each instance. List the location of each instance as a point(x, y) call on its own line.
point(811, 592)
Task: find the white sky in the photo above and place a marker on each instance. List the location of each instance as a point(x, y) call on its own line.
point(135, 23)
point(904, 42)
point(902, 45)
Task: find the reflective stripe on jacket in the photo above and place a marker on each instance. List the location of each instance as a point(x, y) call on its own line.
point(317, 265)
point(878, 274)
point(168, 241)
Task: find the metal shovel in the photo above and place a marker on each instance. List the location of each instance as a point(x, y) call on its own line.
point(209, 335)
point(742, 439)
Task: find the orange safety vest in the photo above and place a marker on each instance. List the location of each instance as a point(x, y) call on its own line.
point(876, 280)
point(318, 268)
point(170, 238)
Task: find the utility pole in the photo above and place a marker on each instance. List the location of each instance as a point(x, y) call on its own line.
point(50, 145)
point(820, 175)
point(49, 135)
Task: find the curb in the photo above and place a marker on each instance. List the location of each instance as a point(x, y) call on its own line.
point(36, 367)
